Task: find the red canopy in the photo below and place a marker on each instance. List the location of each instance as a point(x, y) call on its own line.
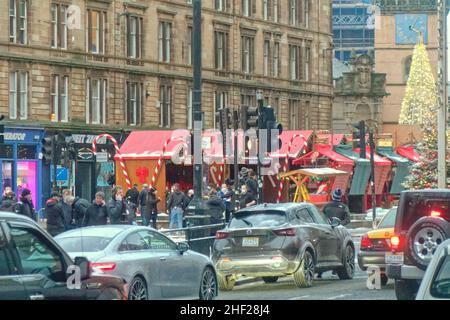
point(298, 144)
point(337, 138)
point(324, 150)
point(408, 152)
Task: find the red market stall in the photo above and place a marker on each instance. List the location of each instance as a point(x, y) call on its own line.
point(408, 152)
point(327, 138)
point(324, 155)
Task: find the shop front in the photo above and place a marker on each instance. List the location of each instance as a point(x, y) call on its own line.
point(20, 166)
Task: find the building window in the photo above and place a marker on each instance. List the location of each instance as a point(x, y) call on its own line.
point(134, 37)
point(306, 11)
point(189, 52)
point(60, 98)
point(165, 105)
point(293, 114)
point(276, 59)
point(307, 68)
point(220, 102)
point(134, 103)
point(294, 62)
point(276, 108)
point(248, 100)
point(276, 10)
point(59, 26)
point(247, 8)
point(220, 5)
point(295, 12)
point(190, 121)
point(266, 9)
point(266, 57)
point(164, 41)
point(247, 54)
point(96, 32)
point(189, 1)
point(306, 116)
point(96, 101)
point(18, 21)
point(221, 50)
point(18, 95)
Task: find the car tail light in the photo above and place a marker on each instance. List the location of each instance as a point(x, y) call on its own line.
point(365, 242)
point(435, 213)
point(222, 235)
point(103, 266)
point(288, 232)
point(395, 242)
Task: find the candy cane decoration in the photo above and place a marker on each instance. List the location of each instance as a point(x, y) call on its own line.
point(119, 154)
point(160, 159)
point(305, 144)
point(222, 166)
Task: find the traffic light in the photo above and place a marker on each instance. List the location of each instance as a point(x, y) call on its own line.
point(48, 149)
point(249, 117)
point(2, 130)
point(223, 118)
point(359, 138)
point(269, 122)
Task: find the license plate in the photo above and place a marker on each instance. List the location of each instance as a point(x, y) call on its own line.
point(250, 242)
point(394, 258)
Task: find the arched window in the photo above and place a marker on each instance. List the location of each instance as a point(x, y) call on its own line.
point(406, 68)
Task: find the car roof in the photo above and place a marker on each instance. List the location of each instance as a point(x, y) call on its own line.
point(434, 191)
point(275, 206)
point(14, 216)
point(107, 231)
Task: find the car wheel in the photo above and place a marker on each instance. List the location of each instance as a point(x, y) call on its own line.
point(384, 279)
point(423, 239)
point(406, 289)
point(304, 275)
point(138, 289)
point(226, 283)
point(270, 279)
point(348, 270)
point(208, 285)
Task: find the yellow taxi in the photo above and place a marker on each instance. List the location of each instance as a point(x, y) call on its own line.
point(376, 244)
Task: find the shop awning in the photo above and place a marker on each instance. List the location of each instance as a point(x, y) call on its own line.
point(361, 173)
point(298, 144)
point(323, 150)
point(379, 161)
point(328, 137)
point(401, 171)
point(408, 153)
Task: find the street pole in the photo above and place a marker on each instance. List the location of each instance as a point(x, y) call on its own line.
point(372, 178)
point(260, 98)
point(235, 150)
point(197, 105)
point(55, 157)
point(443, 95)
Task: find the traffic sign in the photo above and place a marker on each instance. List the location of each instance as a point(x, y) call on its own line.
point(102, 157)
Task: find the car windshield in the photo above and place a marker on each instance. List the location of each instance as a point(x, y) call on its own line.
point(260, 219)
point(83, 244)
point(388, 220)
point(440, 288)
point(416, 208)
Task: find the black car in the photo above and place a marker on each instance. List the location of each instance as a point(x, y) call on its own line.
point(274, 240)
point(34, 267)
point(421, 225)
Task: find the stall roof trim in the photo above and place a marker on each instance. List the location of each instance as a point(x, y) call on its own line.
point(408, 152)
point(379, 161)
point(325, 151)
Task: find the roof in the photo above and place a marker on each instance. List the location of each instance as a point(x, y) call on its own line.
point(316, 172)
point(379, 161)
point(325, 150)
point(299, 144)
point(408, 152)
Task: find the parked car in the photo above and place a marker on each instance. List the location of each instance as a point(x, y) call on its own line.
point(275, 240)
point(153, 265)
point(376, 245)
point(421, 225)
point(34, 267)
point(436, 282)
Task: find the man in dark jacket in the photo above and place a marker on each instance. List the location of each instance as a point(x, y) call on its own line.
point(175, 206)
point(227, 195)
point(67, 209)
point(96, 214)
point(79, 207)
point(117, 208)
point(336, 208)
point(132, 195)
point(25, 205)
point(143, 204)
point(8, 202)
point(247, 198)
point(215, 207)
point(55, 214)
point(151, 209)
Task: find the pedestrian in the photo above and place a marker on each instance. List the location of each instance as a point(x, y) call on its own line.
point(8, 202)
point(79, 208)
point(96, 213)
point(215, 207)
point(151, 209)
point(132, 195)
point(117, 207)
point(7, 190)
point(143, 203)
point(248, 199)
point(25, 205)
point(176, 205)
point(67, 209)
point(55, 214)
point(252, 183)
point(335, 208)
point(228, 198)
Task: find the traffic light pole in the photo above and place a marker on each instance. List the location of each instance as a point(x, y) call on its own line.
point(235, 150)
point(259, 136)
point(372, 177)
point(54, 160)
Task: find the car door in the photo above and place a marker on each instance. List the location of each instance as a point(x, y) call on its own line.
point(11, 286)
point(42, 264)
point(176, 271)
point(330, 243)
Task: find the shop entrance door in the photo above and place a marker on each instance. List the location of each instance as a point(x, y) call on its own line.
point(84, 180)
point(27, 178)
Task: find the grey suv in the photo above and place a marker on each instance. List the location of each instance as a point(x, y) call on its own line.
point(421, 225)
point(274, 240)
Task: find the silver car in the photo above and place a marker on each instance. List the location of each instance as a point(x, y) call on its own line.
point(153, 265)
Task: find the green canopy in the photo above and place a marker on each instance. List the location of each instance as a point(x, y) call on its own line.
point(361, 174)
point(401, 170)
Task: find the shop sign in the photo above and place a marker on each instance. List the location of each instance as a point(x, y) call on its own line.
point(87, 139)
point(101, 157)
point(85, 154)
point(30, 136)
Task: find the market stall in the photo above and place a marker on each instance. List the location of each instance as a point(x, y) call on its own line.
point(408, 152)
point(400, 169)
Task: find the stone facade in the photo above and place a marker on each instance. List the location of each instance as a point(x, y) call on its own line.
point(42, 62)
point(359, 95)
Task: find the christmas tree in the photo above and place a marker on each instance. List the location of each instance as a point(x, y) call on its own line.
point(420, 96)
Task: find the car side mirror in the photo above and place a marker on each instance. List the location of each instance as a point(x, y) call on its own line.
point(335, 222)
point(182, 247)
point(83, 264)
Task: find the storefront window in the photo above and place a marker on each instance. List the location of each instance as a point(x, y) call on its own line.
point(6, 151)
point(26, 152)
point(26, 178)
point(104, 170)
point(6, 175)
